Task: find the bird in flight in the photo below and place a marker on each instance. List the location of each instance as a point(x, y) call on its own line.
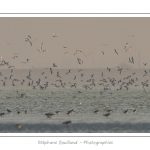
point(128, 48)
point(116, 51)
point(144, 64)
point(89, 54)
point(54, 65)
point(80, 70)
point(41, 50)
point(14, 57)
point(131, 36)
point(104, 44)
point(102, 52)
point(54, 35)
point(68, 71)
point(120, 69)
point(126, 45)
point(80, 61)
point(28, 39)
point(51, 70)
point(28, 60)
point(66, 53)
point(132, 60)
point(108, 69)
point(80, 52)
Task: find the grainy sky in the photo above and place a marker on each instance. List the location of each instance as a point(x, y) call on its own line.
point(82, 33)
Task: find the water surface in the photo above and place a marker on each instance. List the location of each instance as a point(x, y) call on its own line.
point(84, 102)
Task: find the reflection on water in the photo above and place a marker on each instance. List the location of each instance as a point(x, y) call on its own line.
point(84, 102)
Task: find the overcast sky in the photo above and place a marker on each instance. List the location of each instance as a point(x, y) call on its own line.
point(83, 33)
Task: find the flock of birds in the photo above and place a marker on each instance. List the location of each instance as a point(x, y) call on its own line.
point(105, 82)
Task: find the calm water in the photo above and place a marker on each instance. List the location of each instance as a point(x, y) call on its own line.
point(84, 102)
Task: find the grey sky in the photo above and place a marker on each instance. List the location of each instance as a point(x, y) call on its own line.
point(83, 33)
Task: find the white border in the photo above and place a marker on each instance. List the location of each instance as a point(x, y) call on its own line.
point(78, 6)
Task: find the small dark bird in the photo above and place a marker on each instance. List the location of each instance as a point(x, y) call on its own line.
point(134, 110)
point(67, 122)
point(126, 111)
point(109, 110)
point(26, 111)
point(96, 111)
point(2, 114)
point(49, 115)
point(70, 112)
point(107, 115)
point(57, 112)
point(9, 111)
